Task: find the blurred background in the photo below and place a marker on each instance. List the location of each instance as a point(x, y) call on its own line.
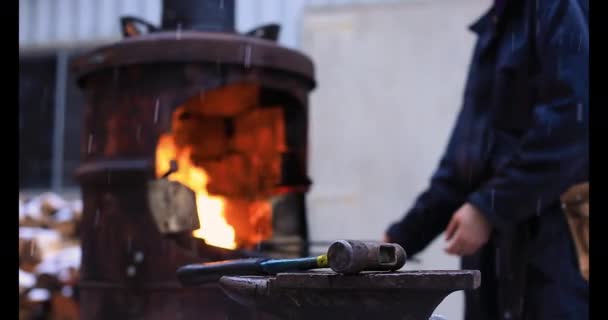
point(390, 76)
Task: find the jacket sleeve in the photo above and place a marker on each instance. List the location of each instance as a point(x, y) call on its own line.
point(433, 208)
point(554, 153)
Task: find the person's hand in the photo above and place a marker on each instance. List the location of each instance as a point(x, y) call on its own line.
point(467, 231)
point(386, 239)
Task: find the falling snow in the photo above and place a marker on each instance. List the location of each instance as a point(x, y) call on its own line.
point(96, 217)
point(90, 144)
point(131, 271)
point(156, 107)
point(138, 257)
point(512, 41)
point(259, 245)
point(497, 261)
point(247, 61)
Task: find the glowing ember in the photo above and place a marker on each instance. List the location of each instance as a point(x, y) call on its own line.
point(214, 228)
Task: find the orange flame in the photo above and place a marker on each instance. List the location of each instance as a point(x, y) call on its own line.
point(213, 226)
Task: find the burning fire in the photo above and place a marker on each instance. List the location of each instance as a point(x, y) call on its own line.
point(213, 226)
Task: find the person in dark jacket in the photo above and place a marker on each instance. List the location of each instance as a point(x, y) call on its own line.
point(520, 140)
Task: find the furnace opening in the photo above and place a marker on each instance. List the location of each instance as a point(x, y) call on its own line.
point(228, 151)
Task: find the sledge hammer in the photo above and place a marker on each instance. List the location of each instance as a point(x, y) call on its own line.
point(343, 256)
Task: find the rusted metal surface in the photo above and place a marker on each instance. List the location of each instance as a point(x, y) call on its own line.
point(411, 295)
point(128, 266)
point(246, 52)
point(130, 107)
point(353, 256)
point(132, 90)
point(129, 103)
point(159, 303)
point(173, 206)
point(201, 15)
point(116, 166)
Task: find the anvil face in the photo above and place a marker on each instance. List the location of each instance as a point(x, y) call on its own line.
point(410, 295)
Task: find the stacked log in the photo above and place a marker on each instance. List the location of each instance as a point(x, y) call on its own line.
point(49, 257)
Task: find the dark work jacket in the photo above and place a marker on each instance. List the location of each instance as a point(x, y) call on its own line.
point(520, 140)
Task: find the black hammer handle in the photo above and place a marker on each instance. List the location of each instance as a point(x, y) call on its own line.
point(200, 273)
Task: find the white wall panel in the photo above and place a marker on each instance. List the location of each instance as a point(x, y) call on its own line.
point(49, 23)
point(64, 28)
point(390, 80)
point(43, 17)
point(86, 19)
point(24, 25)
point(58, 22)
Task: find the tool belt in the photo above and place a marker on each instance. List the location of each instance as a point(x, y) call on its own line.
point(575, 204)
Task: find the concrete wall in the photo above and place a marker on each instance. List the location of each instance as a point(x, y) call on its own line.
point(67, 23)
point(59, 23)
point(390, 81)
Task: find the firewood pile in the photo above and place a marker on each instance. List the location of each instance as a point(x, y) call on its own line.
point(49, 257)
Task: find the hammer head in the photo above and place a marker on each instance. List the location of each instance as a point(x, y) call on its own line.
point(352, 256)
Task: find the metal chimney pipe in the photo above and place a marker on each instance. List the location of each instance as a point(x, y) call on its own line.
point(198, 15)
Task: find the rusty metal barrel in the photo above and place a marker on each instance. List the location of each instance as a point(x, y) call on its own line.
point(132, 89)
